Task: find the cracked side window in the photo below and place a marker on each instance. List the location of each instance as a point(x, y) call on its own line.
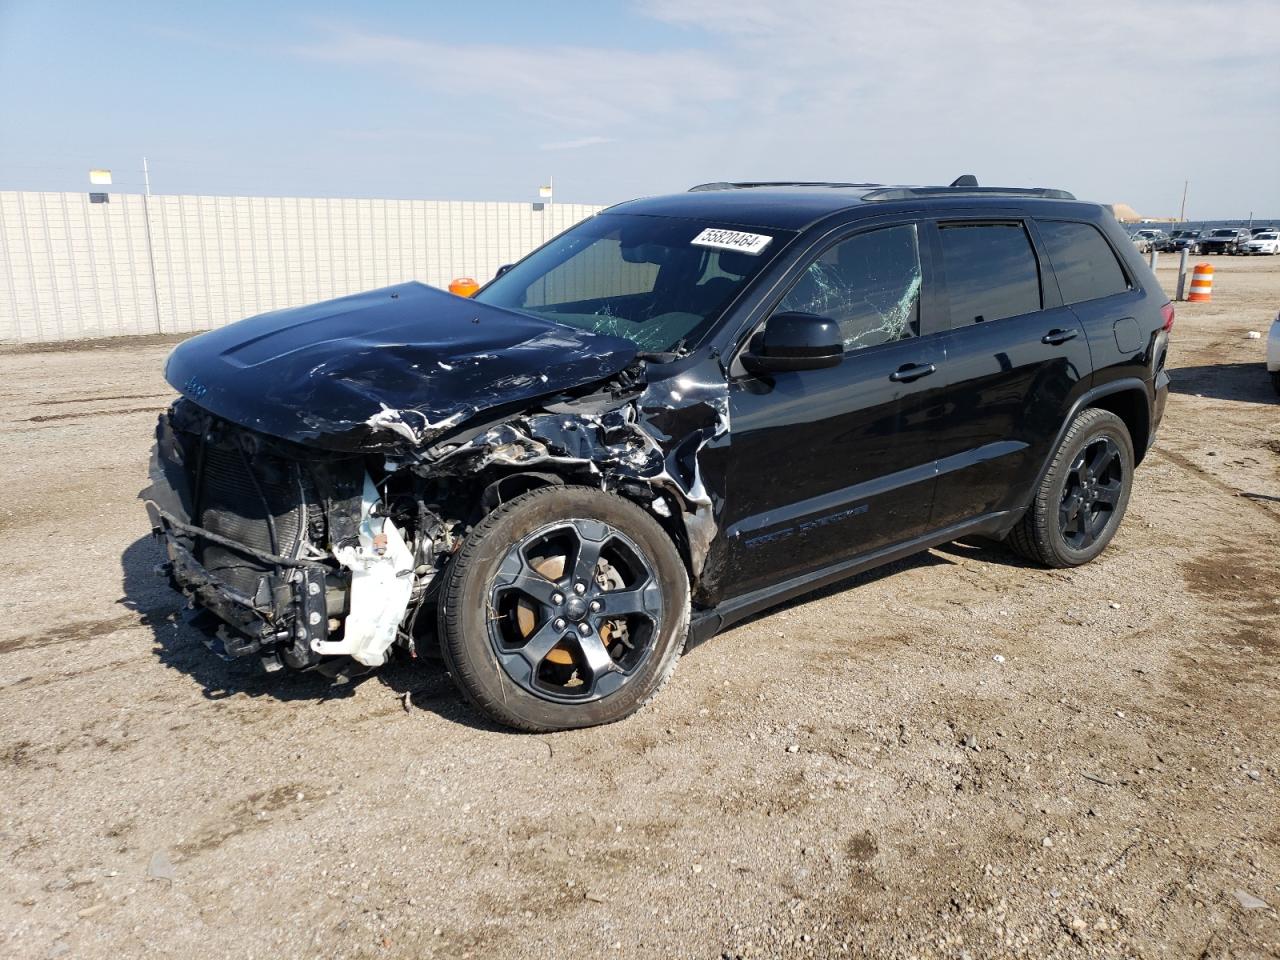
point(869, 284)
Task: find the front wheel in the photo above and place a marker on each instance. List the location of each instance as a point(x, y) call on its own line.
point(1082, 498)
point(565, 607)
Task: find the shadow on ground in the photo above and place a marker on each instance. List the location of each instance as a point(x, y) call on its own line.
point(423, 683)
point(1225, 381)
point(991, 551)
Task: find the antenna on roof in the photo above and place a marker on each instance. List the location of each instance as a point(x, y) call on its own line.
point(965, 180)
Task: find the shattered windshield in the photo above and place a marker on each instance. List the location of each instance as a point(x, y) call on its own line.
point(660, 282)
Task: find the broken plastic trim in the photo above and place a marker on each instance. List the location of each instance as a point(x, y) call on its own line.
point(381, 566)
point(413, 425)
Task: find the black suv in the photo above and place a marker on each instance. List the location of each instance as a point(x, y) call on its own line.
point(679, 412)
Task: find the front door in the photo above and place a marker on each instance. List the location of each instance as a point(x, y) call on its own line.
point(825, 465)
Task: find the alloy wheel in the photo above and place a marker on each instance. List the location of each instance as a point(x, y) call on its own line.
point(1095, 482)
point(575, 611)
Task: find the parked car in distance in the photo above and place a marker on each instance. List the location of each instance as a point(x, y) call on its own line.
point(1254, 231)
point(1143, 244)
point(1223, 240)
point(1152, 236)
point(1181, 240)
point(1264, 243)
point(677, 414)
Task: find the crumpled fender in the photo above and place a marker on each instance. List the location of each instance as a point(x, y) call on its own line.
point(665, 436)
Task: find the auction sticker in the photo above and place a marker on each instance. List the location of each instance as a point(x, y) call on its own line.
point(751, 243)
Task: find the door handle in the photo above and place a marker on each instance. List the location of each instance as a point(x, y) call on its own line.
point(912, 371)
point(1055, 337)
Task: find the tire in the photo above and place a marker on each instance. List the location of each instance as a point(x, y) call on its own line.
point(509, 594)
point(1068, 525)
point(1275, 380)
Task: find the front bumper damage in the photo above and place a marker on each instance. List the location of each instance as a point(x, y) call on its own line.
point(333, 554)
point(288, 608)
point(258, 620)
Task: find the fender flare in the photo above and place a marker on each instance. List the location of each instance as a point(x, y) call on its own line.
point(493, 494)
point(1087, 399)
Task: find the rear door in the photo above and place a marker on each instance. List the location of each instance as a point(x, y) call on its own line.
point(1102, 294)
point(1015, 358)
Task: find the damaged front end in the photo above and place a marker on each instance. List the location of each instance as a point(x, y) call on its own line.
point(310, 558)
point(291, 553)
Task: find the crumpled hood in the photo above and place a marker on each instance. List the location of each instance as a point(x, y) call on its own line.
point(378, 368)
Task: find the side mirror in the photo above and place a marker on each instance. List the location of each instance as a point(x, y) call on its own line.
point(795, 341)
point(503, 269)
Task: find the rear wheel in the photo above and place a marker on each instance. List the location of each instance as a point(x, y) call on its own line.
point(565, 607)
point(1082, 498)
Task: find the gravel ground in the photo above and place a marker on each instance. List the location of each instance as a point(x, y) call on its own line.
point(959, 755)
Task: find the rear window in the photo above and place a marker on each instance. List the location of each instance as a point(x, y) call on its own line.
point(1084, 262)
point(991, 271)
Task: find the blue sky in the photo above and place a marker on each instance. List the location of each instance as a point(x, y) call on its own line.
point(485, 100)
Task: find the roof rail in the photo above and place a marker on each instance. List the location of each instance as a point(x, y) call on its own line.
point(914, 193)
point(746, 185)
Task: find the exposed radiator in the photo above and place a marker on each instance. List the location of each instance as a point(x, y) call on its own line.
point(233, 505)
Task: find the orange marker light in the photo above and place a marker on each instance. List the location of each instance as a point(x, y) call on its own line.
point(464, 287)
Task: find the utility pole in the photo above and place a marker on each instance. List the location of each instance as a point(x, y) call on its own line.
point(548, 195)
point(1182, 216)
point(151, 256)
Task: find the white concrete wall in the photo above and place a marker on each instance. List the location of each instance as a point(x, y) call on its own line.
point(71, 269)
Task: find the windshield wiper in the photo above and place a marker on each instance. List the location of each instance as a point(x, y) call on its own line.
point(678, 351)
point(657, 356)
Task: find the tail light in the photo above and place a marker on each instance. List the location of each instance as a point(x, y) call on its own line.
point(1167, 312)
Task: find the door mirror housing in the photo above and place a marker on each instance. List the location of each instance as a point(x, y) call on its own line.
point(503, 269)
point(795, 341)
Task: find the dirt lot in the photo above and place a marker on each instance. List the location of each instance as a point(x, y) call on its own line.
point(958, 756)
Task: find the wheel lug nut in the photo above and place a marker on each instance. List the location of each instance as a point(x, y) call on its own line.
point(579, 588)
point(559, 624)
point(557, 598)
point(595, 606)
point(584, 628)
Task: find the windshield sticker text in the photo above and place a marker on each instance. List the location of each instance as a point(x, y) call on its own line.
point(751, 243)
